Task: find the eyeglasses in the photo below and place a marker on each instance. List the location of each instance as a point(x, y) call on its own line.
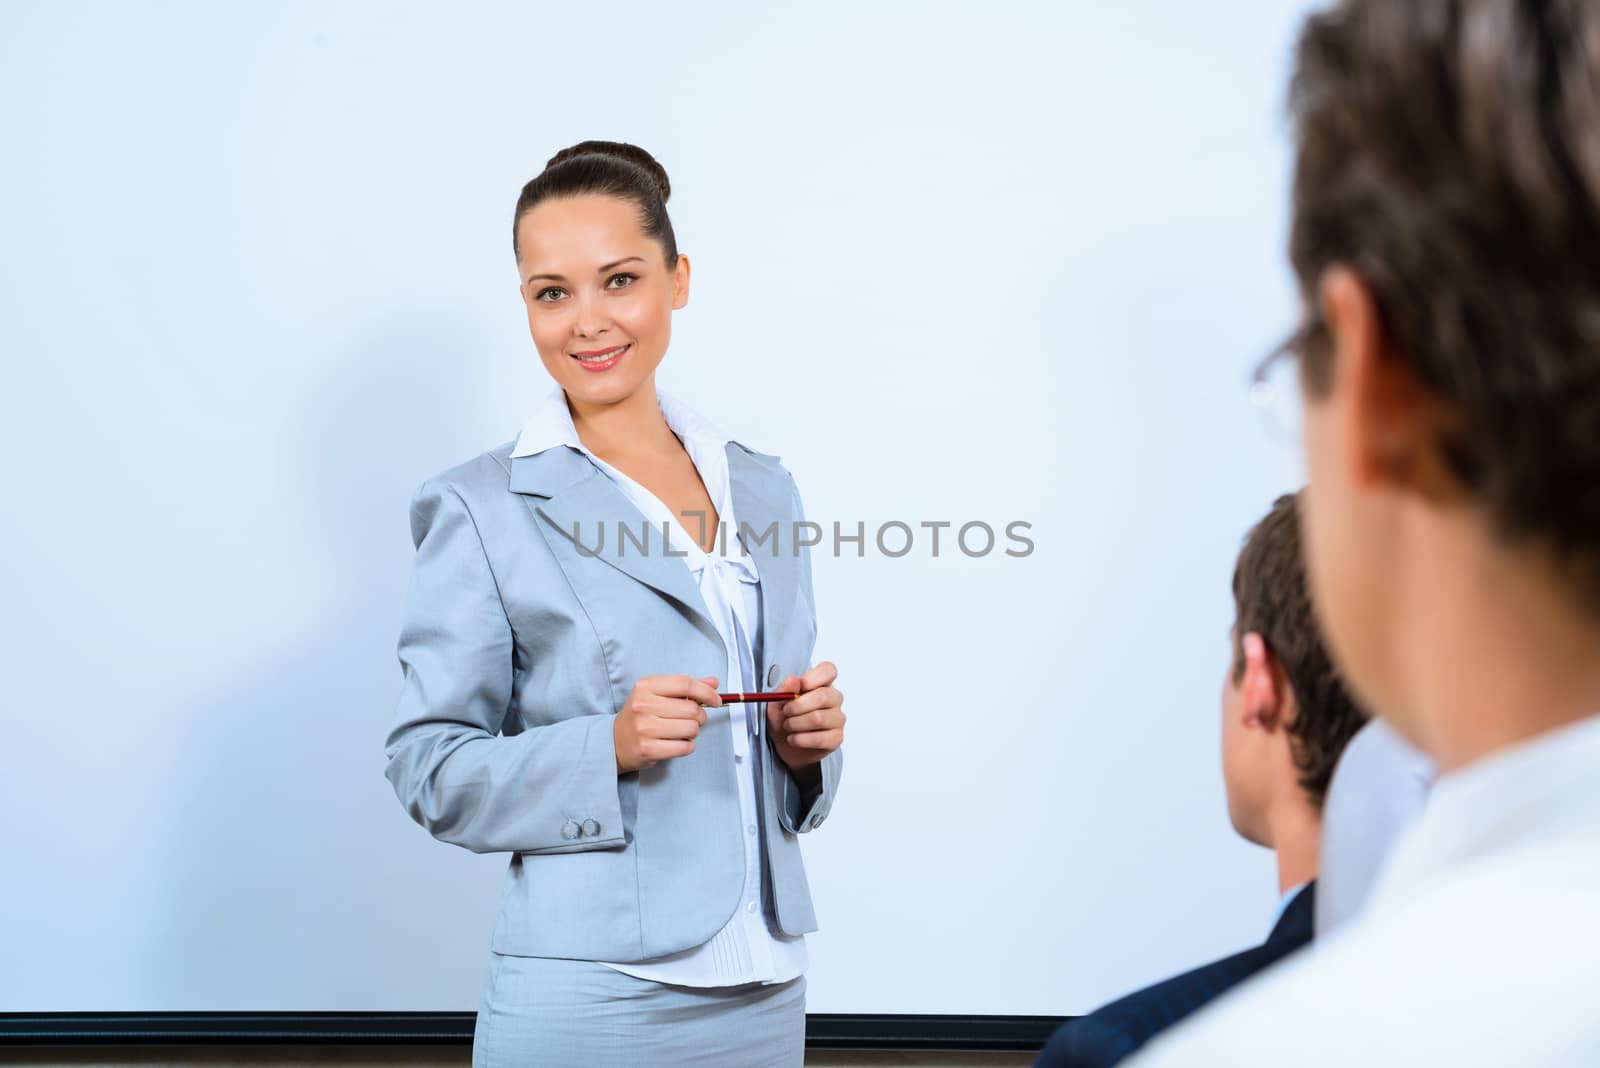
point(1275, 382)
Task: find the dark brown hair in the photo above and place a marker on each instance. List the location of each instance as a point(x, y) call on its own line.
point(1449, 152)
point(606, 168)
point(1272, 598)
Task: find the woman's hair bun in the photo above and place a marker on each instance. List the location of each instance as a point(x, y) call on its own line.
point(604, 168)
point(619, 150)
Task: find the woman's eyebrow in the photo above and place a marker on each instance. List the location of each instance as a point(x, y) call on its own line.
point(598, 270)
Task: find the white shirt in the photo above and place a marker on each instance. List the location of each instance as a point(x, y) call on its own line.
point(1480, 945)
point(749, 948)
point(1379, 788)
point(1283, 902)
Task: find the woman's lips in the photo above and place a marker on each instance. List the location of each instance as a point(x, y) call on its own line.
point(601, 359)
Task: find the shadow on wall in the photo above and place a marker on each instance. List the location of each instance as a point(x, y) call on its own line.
point(291, 877)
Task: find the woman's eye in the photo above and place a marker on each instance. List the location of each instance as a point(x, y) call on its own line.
point(548, 295)
point(628, 279)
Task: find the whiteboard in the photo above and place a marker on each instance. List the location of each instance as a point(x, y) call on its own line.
point(967, 263)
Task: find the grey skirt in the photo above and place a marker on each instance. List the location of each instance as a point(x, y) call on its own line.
point(547, 1011)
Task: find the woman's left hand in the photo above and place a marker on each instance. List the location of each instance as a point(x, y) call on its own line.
point(811, 726)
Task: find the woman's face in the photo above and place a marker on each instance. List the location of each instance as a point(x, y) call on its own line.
point(599, 295)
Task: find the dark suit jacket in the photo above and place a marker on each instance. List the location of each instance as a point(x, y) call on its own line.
point(1115, 1031)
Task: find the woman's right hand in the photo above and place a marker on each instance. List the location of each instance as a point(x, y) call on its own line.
point(661, 719)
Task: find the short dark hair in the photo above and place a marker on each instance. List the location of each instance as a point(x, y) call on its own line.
point(1448, 151)
point(1272, 598)
point(606, 168)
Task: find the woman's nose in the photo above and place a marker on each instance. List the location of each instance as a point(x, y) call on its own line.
point(590, 319)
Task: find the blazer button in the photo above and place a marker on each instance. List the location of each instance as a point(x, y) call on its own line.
point(570, 830)
point(591, 828)
point(816, 821)
point(773, 675)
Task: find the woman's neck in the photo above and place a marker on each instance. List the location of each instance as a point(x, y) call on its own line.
point(629, 427)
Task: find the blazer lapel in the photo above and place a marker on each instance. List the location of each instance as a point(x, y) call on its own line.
point(763, 504)
point(584, 514)
point(577, 501)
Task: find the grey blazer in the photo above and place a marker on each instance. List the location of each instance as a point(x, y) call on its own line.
point(519, 648)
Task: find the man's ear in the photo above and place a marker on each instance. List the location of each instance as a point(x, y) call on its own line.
point(1383, 413)
point(1263, 690)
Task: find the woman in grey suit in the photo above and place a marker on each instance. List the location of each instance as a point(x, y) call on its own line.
point(577, 597)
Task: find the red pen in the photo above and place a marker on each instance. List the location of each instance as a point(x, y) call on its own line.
point(735, 698)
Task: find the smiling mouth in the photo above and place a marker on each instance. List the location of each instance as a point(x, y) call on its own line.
point(601, 355)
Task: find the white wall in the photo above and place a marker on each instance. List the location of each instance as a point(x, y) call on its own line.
point(986, 262)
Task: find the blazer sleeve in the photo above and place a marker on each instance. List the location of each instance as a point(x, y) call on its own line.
point(549, 789)
point(803, 811)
